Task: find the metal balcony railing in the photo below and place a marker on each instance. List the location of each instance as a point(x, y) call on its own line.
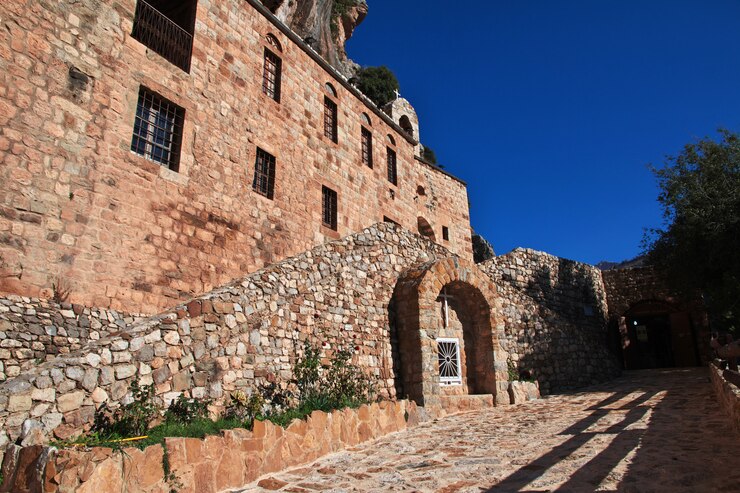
point(158, 32)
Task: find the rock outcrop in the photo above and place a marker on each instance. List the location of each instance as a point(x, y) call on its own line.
point(325, 25)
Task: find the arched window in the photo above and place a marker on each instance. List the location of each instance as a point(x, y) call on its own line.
point(391, 140)
point(272, 41)
point(425, 229)
point(330, 89)
point(365, 119)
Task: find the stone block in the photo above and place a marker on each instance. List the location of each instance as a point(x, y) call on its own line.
point(70, 401)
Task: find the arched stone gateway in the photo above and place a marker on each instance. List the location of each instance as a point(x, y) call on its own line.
point(446, 339)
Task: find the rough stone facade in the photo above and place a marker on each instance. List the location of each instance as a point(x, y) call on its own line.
point(241, 335)
point(79, 207)
point(554, 314)
point(33, 330)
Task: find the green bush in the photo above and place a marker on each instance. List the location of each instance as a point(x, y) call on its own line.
point(185, 411)
point(130, 420)
point(379, 84)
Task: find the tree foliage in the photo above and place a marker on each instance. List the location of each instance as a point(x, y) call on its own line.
point(699, 248)
point(428, 155)
point(377, 83)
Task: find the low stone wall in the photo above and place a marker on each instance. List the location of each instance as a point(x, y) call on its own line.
point(33, 330)
point(728, 393)
point(555, 318)
point(213, 464)
point(244, 334)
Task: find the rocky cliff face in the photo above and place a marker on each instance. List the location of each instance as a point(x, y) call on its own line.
point(325, 25)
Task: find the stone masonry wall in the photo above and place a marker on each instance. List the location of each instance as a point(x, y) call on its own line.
point(33, 330)
point(77, 205)
point(554, 314)
point(243, 334)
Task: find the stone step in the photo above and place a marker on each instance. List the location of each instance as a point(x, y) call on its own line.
point(461, 403)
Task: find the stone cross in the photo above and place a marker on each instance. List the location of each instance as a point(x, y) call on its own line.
point(445, 305)
point(398, 94)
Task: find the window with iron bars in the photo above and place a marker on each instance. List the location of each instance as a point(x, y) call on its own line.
point(392, 170)
point(330, 119)
point(271, 75)
point(264, 174)
point(329, 207)
point(158, 129)
point(367, 147)
point(167, 27)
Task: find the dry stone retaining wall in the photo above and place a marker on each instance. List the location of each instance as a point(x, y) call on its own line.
point(243, 334)
point(725, 384)
point(33, 330)
point(554, 314)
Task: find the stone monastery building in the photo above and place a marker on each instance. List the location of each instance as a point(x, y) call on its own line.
point(197, 160)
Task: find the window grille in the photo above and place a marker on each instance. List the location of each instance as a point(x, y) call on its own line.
point(271, 75)
point(392, 170)
point(330, 119)
point(445, 233)
point(167, 28)
point(448, 355)
point(264, 174)
point(367, 147)
point(329, 208)
point(158, 129)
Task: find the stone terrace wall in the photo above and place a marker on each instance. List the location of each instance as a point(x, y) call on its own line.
point(33, 330)
point(725, 387)
point(214, 464)
point(554, 314)
point(125, 232)
point(246, 333)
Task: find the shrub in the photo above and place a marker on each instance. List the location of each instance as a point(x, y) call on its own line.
point(130, 420)
point(243, 407)
point(185, 411)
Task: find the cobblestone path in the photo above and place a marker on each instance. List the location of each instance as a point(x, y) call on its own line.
point(653, 430)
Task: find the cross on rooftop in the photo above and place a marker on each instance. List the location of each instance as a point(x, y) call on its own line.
point(398, 94)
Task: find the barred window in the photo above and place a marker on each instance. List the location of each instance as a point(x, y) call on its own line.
point(166, 27)
point(158, 129)
point(367, 147)
point(330, 119)
point(392, 170)
point(329, 207)
point(264, 174)
point(271, 75)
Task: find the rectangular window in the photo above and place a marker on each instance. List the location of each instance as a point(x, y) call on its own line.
point(158, 129)
point(448, 356)
point(367, 147)
point(166, 27)
point(445, 233)
point(271, 75)
point(392, 170)
point(329, 207)
point(264, 174)
point(330, 119)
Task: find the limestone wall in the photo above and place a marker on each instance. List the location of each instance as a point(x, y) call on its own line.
point(77, 205)
point(33, 330)
point(554, 314)
point(213, 464)
point(725, 384)
point(248, 332)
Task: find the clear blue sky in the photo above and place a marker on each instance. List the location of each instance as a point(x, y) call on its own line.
point(551, 110)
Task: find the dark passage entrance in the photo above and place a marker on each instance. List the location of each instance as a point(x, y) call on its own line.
point(658, 337)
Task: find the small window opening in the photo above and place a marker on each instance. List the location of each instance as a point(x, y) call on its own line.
point(158, 129)
point(271, 75)
point(330, 89)
point(330, 119)
point(392, 166)
point(264, 174)
point(367, 147)
point(329, 208)
point(420, 191)
point(406, 126)
point(445, 233)
point(365, 119)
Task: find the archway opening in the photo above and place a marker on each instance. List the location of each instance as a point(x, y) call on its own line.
point(406, 126)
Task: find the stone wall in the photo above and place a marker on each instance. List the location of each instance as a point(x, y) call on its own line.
point(78, 206)
point(33, 330)
point(214, 464)
point(728, 393)
point(554, 314)
point(243, 334)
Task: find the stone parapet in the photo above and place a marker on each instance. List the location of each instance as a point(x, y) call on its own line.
point(216, 463)
point(725, 387)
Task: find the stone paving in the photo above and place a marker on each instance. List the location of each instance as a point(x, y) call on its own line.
point(647, 431)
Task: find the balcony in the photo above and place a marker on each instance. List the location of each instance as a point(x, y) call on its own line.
point(162, 34)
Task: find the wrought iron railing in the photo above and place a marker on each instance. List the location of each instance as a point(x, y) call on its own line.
point(161, 34)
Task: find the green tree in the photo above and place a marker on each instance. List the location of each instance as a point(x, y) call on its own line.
point(699, 247)
point(428, 155)
point(377, 83)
